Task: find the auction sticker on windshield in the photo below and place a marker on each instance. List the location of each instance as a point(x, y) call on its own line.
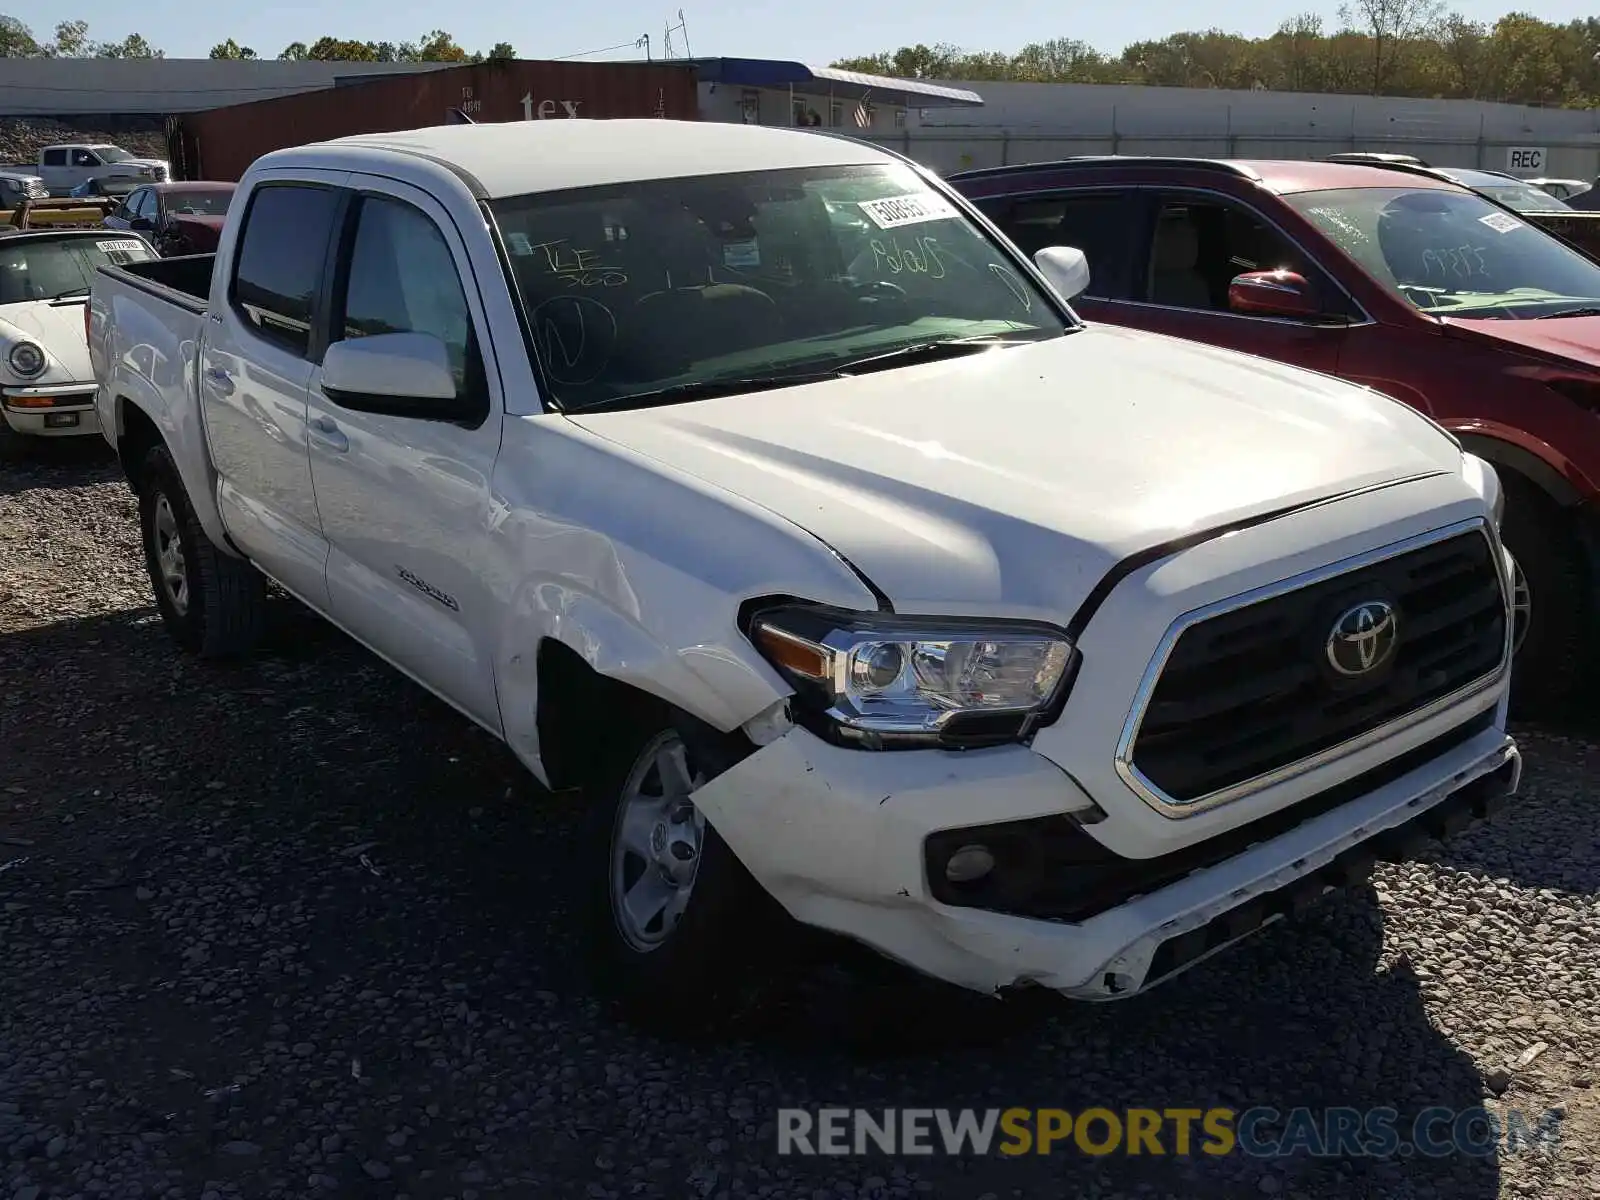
point(1501, 222)
point(894, 211)
point(123, 251)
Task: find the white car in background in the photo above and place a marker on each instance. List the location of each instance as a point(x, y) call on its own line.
point(1561, 189)
point(47, 385)
point(17, 186)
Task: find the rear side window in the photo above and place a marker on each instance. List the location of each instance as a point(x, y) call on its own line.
point(55, 158)
point(279, 265)
point(1096, 224)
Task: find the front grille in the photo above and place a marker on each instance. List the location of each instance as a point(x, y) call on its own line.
point(1249, 691)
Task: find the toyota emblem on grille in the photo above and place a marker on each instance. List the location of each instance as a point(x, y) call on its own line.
point(1363, 638)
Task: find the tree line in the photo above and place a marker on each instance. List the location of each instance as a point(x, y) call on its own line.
point(1379, 47)
point(72, 40)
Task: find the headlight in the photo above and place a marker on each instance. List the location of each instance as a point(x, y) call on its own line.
point(882, 681)
point(26, 359)
point(1482, 478)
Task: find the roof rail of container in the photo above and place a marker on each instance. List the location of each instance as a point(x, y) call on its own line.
point(1236, 169)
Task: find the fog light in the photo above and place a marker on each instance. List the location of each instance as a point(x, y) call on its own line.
point(969, 864)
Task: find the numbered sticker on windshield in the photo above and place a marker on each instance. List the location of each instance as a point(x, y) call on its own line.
point(124, 251)
point(1501, 222)
point(895, 211)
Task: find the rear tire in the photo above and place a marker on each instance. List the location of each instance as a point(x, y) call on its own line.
point(674, 919)
point(212, 603)
point(1551, 660)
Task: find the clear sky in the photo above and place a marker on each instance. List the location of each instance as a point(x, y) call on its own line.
point(815, 32)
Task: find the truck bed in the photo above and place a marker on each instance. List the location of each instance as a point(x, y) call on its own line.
point(184, 280)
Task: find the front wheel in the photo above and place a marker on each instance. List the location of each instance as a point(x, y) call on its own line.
point(1551, 613)
point(211, 603)
point(673, 913)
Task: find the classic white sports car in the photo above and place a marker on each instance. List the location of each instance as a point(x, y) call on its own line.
point(46, 383)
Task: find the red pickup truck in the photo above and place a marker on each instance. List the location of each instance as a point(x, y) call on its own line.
point(1408, 283)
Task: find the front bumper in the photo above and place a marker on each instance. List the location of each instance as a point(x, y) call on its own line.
point(51, 410)
point(839, 836)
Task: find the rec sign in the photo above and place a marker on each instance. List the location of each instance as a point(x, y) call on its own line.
point(1525, 158)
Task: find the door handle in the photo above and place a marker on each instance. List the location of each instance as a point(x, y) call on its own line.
point(220, 380)
point(325, 431)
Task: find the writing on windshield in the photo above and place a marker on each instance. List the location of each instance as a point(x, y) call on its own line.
point(652, 285)
point(1449, 251)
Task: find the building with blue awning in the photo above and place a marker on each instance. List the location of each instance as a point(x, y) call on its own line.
point(764, 91)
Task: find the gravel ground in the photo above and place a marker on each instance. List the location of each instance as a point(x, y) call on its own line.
point(294, 928)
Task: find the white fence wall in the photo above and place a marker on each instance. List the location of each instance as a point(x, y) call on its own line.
point(1023, 122)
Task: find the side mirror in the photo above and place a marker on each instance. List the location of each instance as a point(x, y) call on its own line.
point(1065, 267)
point(400, 374)
point(142, 224)
point(1273, 294)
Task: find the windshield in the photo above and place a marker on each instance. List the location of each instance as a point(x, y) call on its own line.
point(33, 268)
point(1453, 253)
point(673, 283)
point(198, 204)
point(111, 154)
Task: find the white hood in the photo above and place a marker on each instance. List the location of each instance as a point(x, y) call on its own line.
point(1024, 475)
point(58, 329)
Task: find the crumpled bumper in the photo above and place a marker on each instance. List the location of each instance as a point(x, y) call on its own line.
point(837, 836)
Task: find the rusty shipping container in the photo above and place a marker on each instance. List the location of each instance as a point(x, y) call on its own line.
point(222, 143)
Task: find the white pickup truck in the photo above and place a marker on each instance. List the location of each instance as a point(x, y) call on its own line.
point(66, 166)
point(749, 480)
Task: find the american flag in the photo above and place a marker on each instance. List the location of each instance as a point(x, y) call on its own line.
point(863, 116)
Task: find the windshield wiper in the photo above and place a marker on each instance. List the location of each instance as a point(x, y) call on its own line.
point(929, 351)
point(75, 296)
point(682, 393)
point(1586, 311)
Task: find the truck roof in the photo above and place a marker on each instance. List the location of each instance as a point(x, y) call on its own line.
point(513, 158)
